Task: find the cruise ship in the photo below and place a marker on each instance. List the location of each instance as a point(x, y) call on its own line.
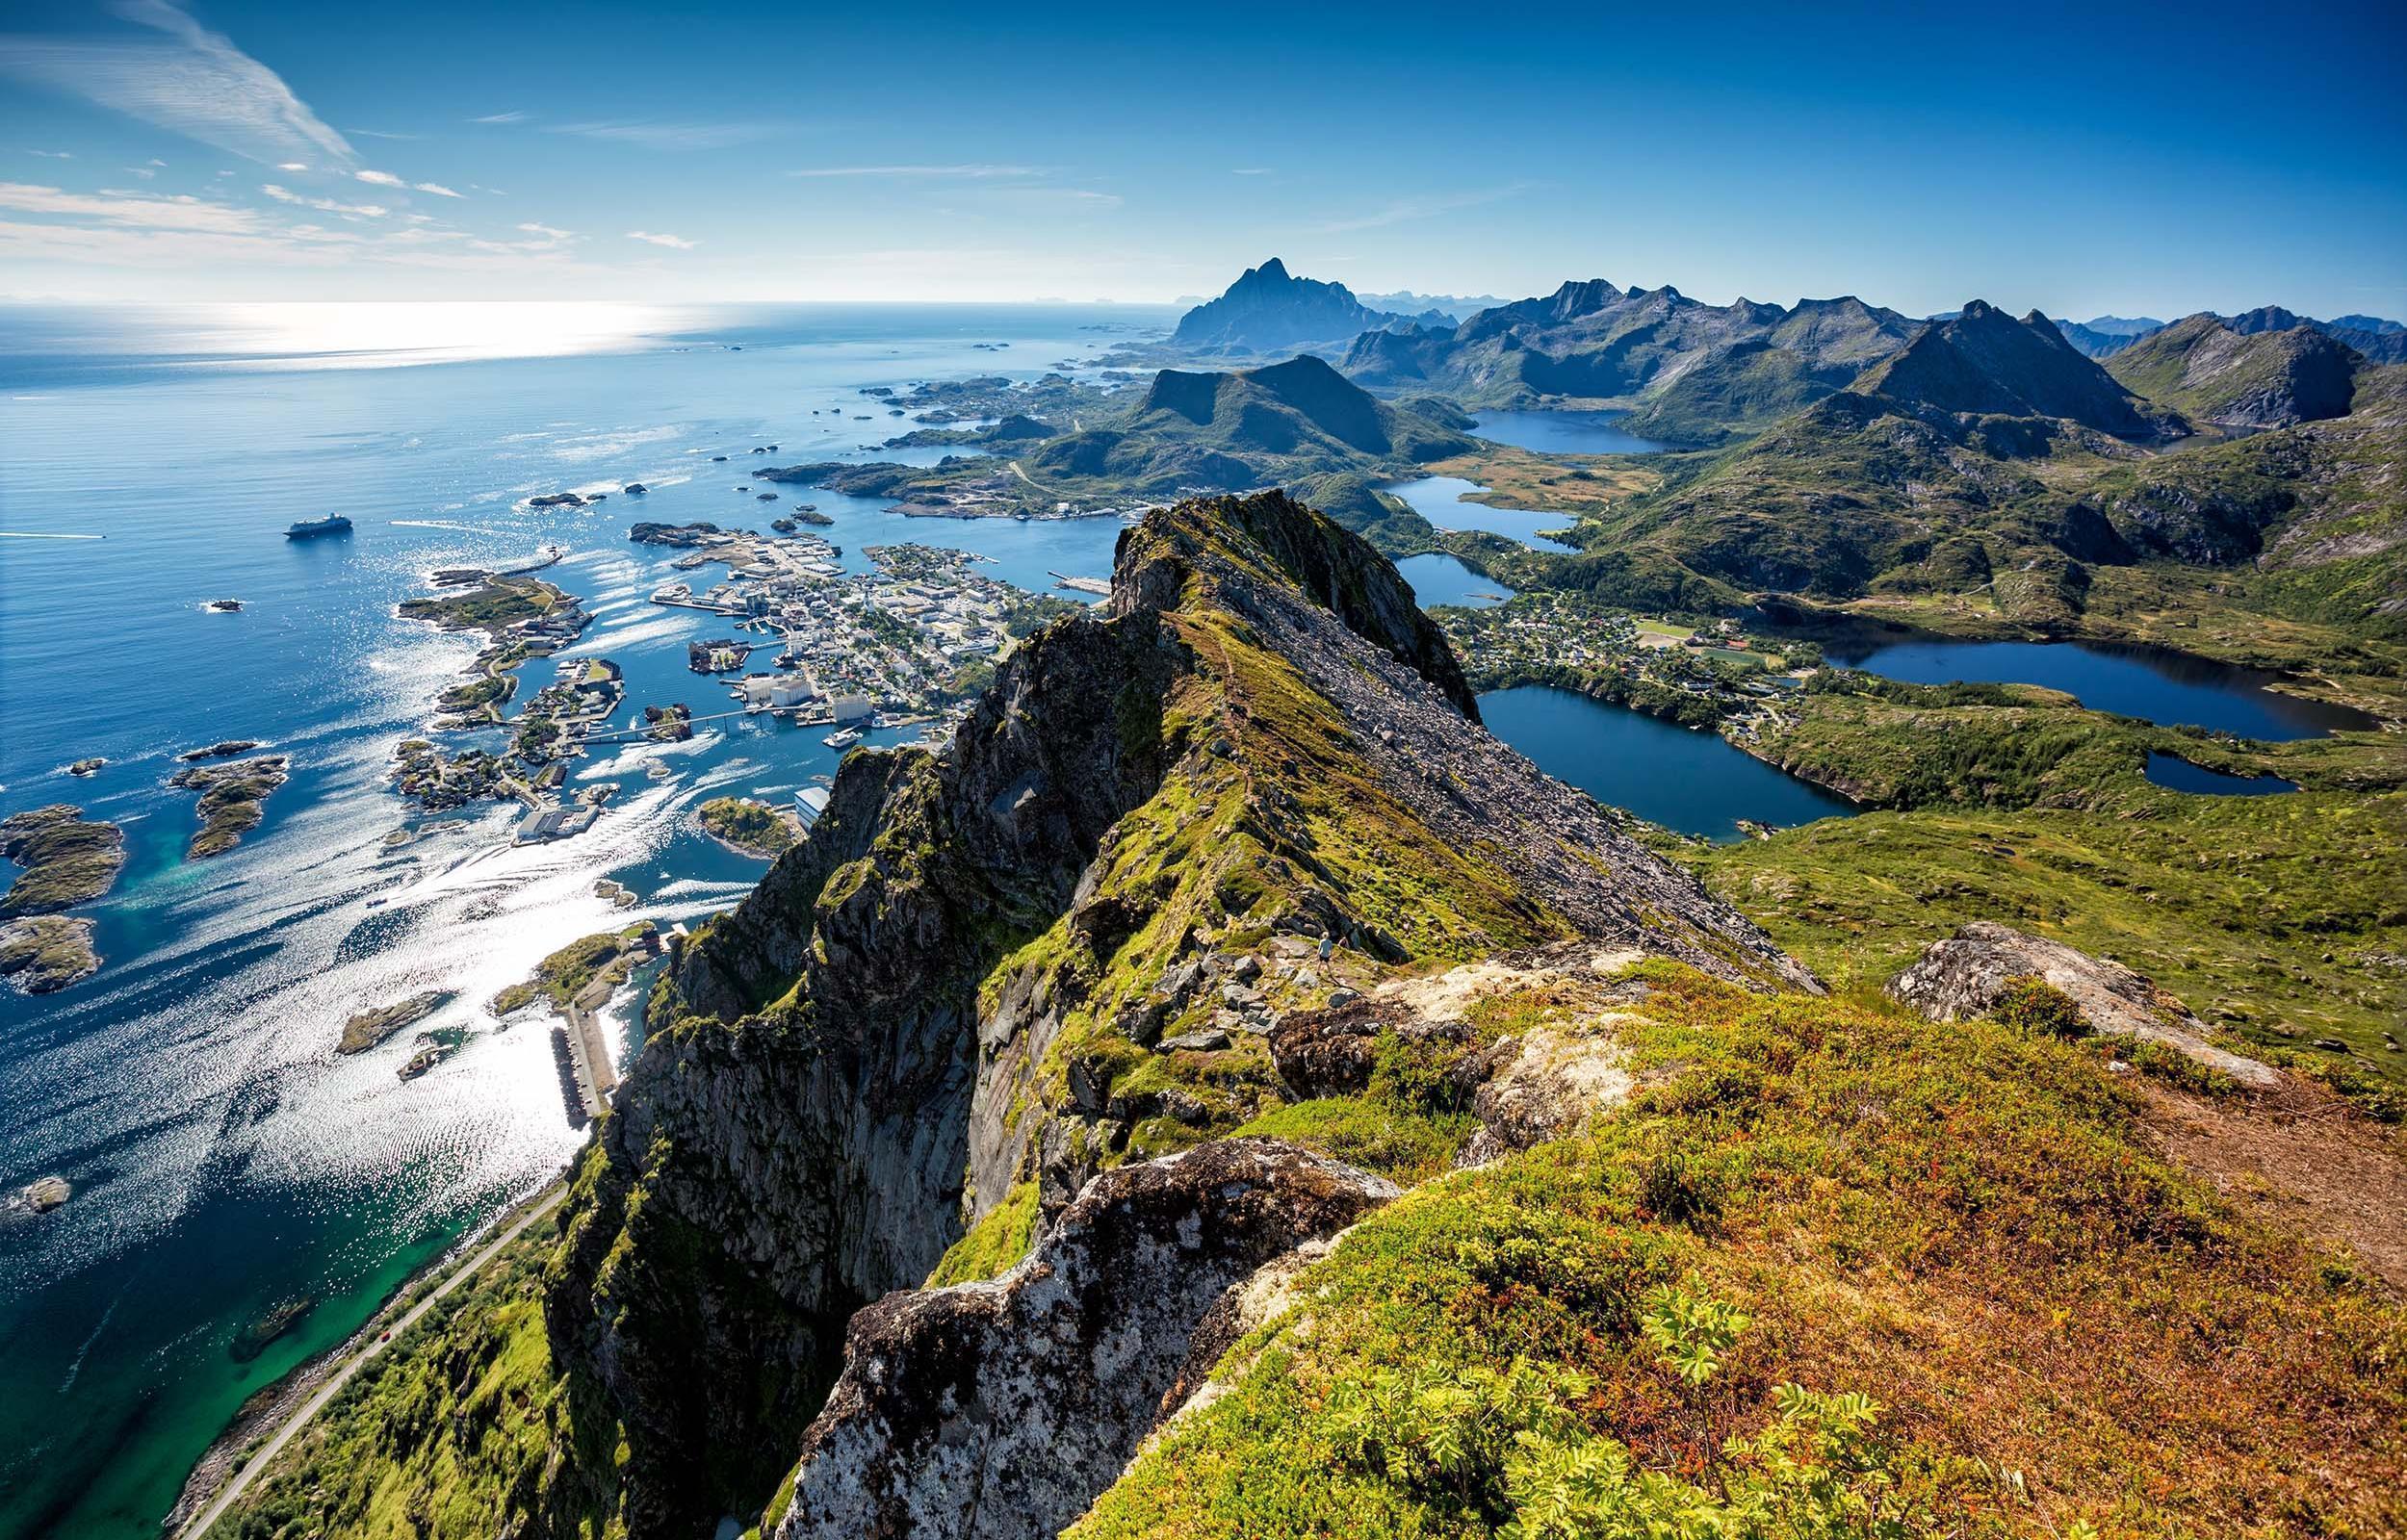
point(333, 523)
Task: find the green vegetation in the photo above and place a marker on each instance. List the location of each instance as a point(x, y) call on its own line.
point(445, 1434)
point(567, 972)
point(233, 798)
point(2272, 917)
point(68, 860)
point(1677, 1325)
point(2036, 1006)
point(748, 825)
point(993, 1245)
point(499, 605)
point(43, 953)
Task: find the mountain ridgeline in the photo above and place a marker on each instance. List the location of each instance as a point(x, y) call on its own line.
point(969, 981)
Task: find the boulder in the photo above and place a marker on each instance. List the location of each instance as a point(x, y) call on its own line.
point(1000, 1409)
point(1968, 974)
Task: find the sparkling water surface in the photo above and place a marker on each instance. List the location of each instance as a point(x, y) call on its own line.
point(224, 1159)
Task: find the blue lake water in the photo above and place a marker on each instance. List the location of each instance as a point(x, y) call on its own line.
point(1445, 502)
point(223, 1157)
point(1439, 579)
point(1563, 433)
point(2154, 685)
point(1691, 782)
point(2177, 774)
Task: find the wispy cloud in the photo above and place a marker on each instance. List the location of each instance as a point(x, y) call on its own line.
point(657, 136)
point(513, 115)
point(53, 155)
point(1404, 210)
point(1249, 170)
point(676, 243)
point(548, 231)
point(377, 133)
point(292, 165)
point(365, 210)
point(189, 80)
point(144, 210)
point(976, 172)
point(142, 171)
point(380, 178)
point(436, 187)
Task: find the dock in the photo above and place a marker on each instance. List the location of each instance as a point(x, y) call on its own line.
point(1082, 585)
point(589, 1062)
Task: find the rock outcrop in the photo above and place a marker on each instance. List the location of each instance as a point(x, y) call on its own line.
point(963, 979)
point(1968, 975)
point(994, 1410)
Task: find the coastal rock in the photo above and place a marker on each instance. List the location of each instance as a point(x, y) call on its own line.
point(366, 1029)
point(68, 860)
point(556, 500)
point(85, 769)
point(45, 1193)
point(1001, 1409)
point(233, 798)
point(41, 954)
point(223, 749)
point(1968, 974)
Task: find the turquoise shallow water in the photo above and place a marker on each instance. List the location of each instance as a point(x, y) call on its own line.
point(223, 1157)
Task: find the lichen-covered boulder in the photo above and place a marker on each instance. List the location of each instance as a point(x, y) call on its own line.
point(1968, 974)
point(1000, 1409)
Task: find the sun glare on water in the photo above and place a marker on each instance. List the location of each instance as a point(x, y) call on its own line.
point(356, 334)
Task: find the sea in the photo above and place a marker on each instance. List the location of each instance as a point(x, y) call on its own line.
point(228, 1167)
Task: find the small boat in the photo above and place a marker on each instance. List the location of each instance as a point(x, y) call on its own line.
point(842, 739)
point(226, 607)
point(333, 523)
point(379, 902)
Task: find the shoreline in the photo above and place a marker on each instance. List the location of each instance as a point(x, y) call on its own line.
point(249, 1440)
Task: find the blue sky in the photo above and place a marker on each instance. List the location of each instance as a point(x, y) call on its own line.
point(2079, 158)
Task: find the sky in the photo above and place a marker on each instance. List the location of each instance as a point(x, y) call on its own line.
point(2079, 158)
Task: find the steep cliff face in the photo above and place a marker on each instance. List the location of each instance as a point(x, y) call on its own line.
point(991, 966)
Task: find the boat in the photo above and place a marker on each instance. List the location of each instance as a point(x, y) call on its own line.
point(333, 523)
point(842, 739)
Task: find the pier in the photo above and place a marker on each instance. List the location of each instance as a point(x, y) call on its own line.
point(589, 1062)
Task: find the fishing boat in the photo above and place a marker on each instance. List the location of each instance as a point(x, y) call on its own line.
point(333, 523)
point(842, 739)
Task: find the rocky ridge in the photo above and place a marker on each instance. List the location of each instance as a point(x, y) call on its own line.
point(969, 976)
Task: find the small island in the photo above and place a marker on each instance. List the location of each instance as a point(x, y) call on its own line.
point(749, 827)
point(86, 769)
point(42, 954)
point(233, 799)
point(68, 860)
point(369, 1028)
point(668, 724)
point(574, 968)
point(39, 1196)
point(223, 749)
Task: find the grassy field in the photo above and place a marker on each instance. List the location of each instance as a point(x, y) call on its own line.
point(1834, 1271)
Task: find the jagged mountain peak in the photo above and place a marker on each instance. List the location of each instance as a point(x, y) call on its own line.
point(1269, 309)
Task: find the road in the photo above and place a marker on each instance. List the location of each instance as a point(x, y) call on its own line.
point(240, 1480)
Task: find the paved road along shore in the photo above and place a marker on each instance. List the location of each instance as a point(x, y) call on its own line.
point(370, 1345)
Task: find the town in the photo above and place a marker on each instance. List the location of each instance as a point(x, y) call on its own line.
point(901, 643)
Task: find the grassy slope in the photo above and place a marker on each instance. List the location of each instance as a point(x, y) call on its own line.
point(444, 1435)
point(1960, 1222)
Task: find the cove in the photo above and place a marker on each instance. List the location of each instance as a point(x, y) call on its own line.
point(2176, 774)
point(1691, 782)
point(1439, 579)
point(2153, 683)
point(1444, 501)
